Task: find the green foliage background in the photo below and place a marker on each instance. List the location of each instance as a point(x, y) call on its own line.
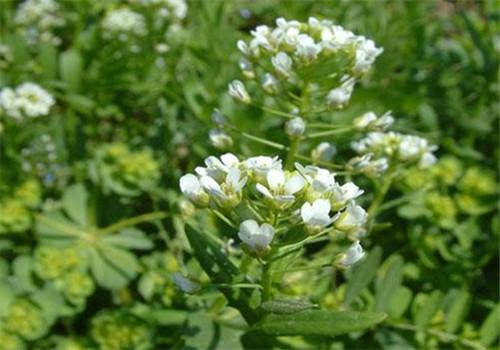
point(90, 238)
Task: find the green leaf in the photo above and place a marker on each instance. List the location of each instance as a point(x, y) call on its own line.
point(399, 302)
point(74, 202)
point(130, 238)
point(7, 296)
point(221, 271)
point(169, 317)
point(427, 311)
point(22, 268)
point(47, 58)
point(390, 340)
point(146, 285)
point(201, 332)
point(319, 322)
point(362, 275)
point(488, 332)
point(389, 282)
point(50, 301)
point(105, 274)
point(55, 226)
point(289, 306)
point(457, 311)
point(71, 67)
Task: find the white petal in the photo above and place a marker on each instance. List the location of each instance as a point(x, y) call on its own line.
point(189, 183)
point(306, 212)
point(249, 227)
point(268, 231)
point(321, 206)
point(233, 177)
point(275, 179)
point(294, 184)
point(262, 189)
point(230, 160)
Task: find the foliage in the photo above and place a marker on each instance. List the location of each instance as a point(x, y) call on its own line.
point(105, 105)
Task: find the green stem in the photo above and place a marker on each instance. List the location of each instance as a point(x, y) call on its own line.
point(329, 132)
point(157, 215)
point(292, 152)
point(374, 208)
point(267, 281)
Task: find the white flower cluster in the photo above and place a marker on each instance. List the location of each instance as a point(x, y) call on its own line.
point(286, 52)
point(123, 23)
point(39, 18)
point(26, 100)
point(310, 195)
point(173, 10)
point(393, 145)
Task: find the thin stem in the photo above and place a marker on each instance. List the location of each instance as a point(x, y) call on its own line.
point(292, 151)
point(274, 111)
point(157, 215)
point(263, 141)
point(267, 280)
point(224, 218)
point(329, 132)
point(381, 193)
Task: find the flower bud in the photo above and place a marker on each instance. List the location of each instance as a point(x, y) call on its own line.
point(352, 255)
point(295, 127)
point(255, 238)
point(270, 83)
point(220, 139)
point(352, 218)
point(218, 118)
point(282, 63)
point(238, 91)
point(247, 68)
point(339, 97)
point(324, 152)
point(365, 120)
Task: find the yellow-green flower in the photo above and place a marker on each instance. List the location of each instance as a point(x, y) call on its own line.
point(442, 209)
point(447, 170)
point(77, 286)
point(25, 319)
point(478, 181)
point(11, 341)
point(14, 216)
point(52, 263)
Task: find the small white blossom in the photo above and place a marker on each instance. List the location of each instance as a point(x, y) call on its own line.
point(218, 168)
point(352, 218)
point(306, 48)
point(366, 54)
point(28, 99)
point(191, 187)
point(227, 194)
point(347, 192)
point(317, 215)
point(185, 284)
point(353, 254)
point(256, 238)
point(238, 91)
point(280, 189)
point(339, 97)
point(123, 22)
point(261, 165)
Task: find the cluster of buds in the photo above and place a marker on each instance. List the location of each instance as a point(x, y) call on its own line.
point(326, 56)
point(273, 199)
point(399, 147)
point(171, 10)
point(26, 100)
point(38, 19)
point(370, 121)
point(123, 24)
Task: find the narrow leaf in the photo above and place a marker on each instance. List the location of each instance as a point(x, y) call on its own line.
point(319, 322)
point(362, 275)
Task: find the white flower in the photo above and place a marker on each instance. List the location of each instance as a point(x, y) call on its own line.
point(282, 63)
point(306, 48)
point(317, 215)
point(191, 188)
point(243, 47)
point(324, 152)
point(428, 159)
point(220, 139)
point(347, 192)
point(261, 38)
point(321, 180)
point(287, 32)
point(256, 238)
point(184, 283)
point(261, 165)
point(9, 103)
point(281, 190)
point(353, 254)
point(218, 168)
point(227, 194)
point(28, 99)
point(365, 120)
point(352, 218)
point(295, 127)
point(339, 97)
point(122, 22)
point(238, 91)
point(366, 54)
